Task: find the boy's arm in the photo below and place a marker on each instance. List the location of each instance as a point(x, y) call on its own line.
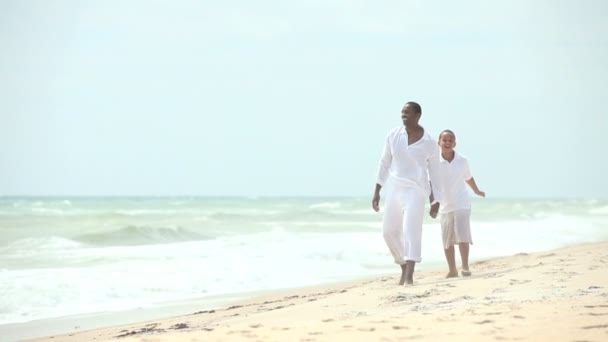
point(473, 186)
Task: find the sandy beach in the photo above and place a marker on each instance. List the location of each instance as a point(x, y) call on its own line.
point(559, 295)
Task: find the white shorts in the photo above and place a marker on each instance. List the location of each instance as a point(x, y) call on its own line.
point(456, 227)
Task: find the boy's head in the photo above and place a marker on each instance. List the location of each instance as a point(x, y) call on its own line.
point(447, 140)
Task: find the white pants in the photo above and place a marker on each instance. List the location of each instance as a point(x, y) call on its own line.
point(403, 214)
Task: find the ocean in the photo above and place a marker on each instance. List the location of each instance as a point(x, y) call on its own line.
point(72, 256)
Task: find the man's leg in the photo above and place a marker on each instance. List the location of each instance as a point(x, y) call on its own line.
point(412, 226)
point(403, 274)
point(410, 265)
point(393, 231)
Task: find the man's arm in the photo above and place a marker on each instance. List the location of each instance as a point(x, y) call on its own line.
point(435, 181)
point(383, 170)
point(376, 198)
point(434, 206)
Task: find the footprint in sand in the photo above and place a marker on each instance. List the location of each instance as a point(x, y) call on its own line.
point(546, 255)
point(202, 312)
point(446, 285)
point(399, 327)
point(493, 275)
point(367, 329)
point(281, 328)
point(518, 282)
point(600, 326)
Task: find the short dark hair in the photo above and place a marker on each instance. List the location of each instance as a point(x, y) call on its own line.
point(416, 106)
point(447, 131)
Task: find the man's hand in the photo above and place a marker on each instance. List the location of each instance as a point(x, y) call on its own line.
point(434, 210)
point(376, 202)
point(480, 193)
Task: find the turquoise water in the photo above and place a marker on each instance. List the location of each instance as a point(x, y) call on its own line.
point(69, 256)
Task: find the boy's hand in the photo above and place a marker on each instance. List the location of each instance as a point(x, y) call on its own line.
point(480, 193)
point(434, 210)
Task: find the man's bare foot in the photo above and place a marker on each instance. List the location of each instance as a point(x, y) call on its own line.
point(452, 274)
point(466, 273)
point(403, 275)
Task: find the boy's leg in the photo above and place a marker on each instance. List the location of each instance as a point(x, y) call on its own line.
point(450, 256)
point(463, 236)
point(447, 232)
point(464, 255)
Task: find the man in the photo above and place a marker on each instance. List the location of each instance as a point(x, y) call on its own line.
point(410, 155)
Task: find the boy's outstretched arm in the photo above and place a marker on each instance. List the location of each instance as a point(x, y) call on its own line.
point(473, 185)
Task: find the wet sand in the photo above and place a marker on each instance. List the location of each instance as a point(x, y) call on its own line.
point(559, 295)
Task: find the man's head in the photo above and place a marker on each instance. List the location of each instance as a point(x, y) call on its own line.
point(447, 140)
point(410, 114)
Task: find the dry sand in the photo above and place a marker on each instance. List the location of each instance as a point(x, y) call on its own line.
point(560, 295)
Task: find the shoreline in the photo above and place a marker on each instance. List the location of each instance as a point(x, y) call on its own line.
point(64, 325)
point(561, 293)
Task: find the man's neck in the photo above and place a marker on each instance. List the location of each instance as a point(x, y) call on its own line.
point(448, 155)
point(412, 129)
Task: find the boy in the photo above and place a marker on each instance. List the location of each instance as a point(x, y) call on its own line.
point(456, 205)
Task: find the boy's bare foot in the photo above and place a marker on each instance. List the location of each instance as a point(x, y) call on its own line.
point(452, 274)
point(466, 273)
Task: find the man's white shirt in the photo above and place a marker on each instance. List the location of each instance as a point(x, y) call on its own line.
point(410, 165)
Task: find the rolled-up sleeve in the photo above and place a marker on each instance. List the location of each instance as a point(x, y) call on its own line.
point(385, 162)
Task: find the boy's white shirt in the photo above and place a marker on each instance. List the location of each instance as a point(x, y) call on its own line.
point(454, 193)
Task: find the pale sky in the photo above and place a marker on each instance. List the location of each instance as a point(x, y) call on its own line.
point(271, 98)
